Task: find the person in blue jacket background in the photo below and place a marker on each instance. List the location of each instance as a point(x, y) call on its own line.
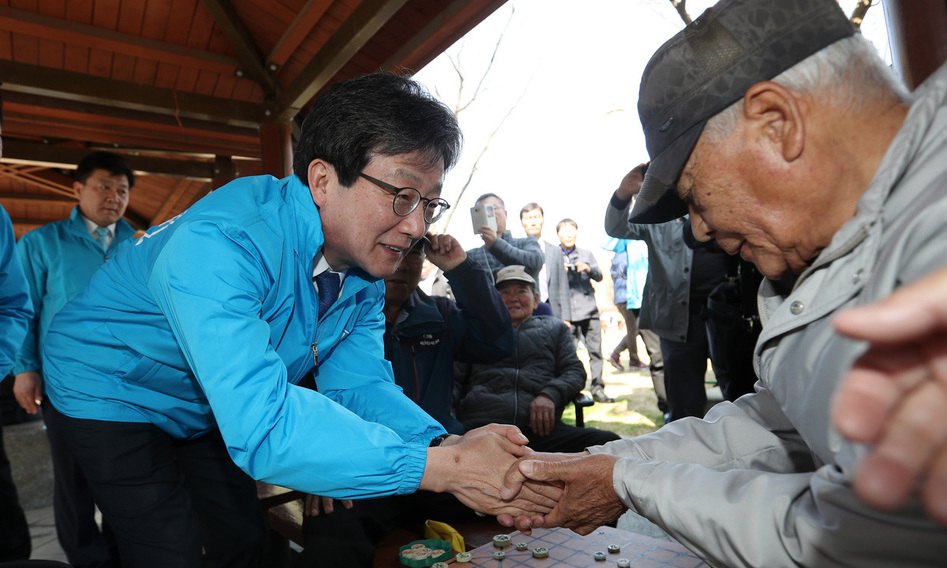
point(59, 259)
point(424, 335)
point(180, 387)
point(16, 309)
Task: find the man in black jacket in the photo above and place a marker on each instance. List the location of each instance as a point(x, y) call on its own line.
point(531, 387)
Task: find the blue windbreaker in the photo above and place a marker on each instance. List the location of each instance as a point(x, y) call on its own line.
point(58, 260)
point(210, 320)
point(16, 309)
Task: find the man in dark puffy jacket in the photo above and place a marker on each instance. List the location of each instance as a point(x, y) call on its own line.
point(531, 387)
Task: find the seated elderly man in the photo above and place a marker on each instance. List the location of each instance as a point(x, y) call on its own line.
point(531, 387)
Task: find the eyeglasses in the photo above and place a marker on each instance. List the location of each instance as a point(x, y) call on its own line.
point(407, 199)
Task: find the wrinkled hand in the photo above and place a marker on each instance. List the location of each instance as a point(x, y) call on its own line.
point(895, 396)
point(472, 468)
point(444, 251)
point(28, 391)
point(489, 236)
point(631, 184)
point(316, 504)
point(542, 415)
point(588, 500)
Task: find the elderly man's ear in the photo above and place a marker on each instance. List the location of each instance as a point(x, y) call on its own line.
point(776, 116)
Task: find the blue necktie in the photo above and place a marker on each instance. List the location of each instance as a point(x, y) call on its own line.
point(327, 284)
point(101, 236)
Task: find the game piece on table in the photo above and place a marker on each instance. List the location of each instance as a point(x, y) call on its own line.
point(624, 563)
point(463, 557)
point(439, 565)
point(521, 546)
point(614, 549)
point(502, 540)
point(541, 552)
point(599, 556)
point(499, 555)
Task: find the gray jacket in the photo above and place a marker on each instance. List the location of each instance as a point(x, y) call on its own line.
point(571, 295)
point(508, 250)
point(765, 481)
point(664, 308)
point(544, 362)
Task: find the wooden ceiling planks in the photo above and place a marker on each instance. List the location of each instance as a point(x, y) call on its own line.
point(184, 81)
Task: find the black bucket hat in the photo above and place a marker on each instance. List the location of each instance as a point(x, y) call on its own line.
point(707, 67)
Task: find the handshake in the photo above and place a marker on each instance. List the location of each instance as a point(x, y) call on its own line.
point(493, 471)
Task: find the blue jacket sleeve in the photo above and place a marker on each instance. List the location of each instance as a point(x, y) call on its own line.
point(16, 309)
point(275, 431)
point(483, 334)
point(35, 272)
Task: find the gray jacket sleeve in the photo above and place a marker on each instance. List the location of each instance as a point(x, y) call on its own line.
point(616, 221)
point(742, 491)
point(525, 252)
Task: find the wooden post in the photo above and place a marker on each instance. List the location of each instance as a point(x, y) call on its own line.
point(277, 149)
point(917, 32)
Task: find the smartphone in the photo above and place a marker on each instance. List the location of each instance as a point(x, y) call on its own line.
point(482, 216)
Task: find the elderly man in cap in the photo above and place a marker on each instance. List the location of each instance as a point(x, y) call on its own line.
point(531, 387)
point(782, 133)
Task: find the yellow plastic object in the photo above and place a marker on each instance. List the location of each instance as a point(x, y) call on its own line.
point(443, 531)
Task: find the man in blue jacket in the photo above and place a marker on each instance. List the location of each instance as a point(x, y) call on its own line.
point(16, 309)
point(424, 335)
point(180, 388)
point(58, 260)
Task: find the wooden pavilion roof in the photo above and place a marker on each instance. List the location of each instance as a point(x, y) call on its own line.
point(187, 90)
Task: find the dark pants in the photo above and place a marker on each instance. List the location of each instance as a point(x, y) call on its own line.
point(85, 545)
point(685, 367)
point(347, 537)
point(14, 532)
point(630, 340)
point(569, 439)
point(589, 332)
point(652, 344)
point(180, 503)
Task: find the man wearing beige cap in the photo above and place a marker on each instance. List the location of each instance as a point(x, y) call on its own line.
point(782, 133)
point(531, 387)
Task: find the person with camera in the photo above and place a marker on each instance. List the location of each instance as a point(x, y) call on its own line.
point(572, 298)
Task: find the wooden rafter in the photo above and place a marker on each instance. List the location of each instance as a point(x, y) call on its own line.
point(26, 175)
point(232, 27)
point(60, 84)
point(75, 33)
point(354, 33)
point(298, 30)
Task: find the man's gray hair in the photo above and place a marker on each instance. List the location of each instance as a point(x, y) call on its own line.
point(850, 71)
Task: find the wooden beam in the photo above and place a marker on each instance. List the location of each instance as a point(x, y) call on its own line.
point(300, 28)
point(16, 101)
point(78, 34)
point(57, 187)
point(408, 56)
point(20, 198)
point(351, 37)
point(917, 32)
point(240, 39)
point(53, 155)
point(169, 204)
point(277, 149)
point(68, 85)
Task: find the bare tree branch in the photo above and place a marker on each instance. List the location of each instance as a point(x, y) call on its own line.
point(493, 56)
point(679, 5)
point(858, 15)
point(483, 151)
